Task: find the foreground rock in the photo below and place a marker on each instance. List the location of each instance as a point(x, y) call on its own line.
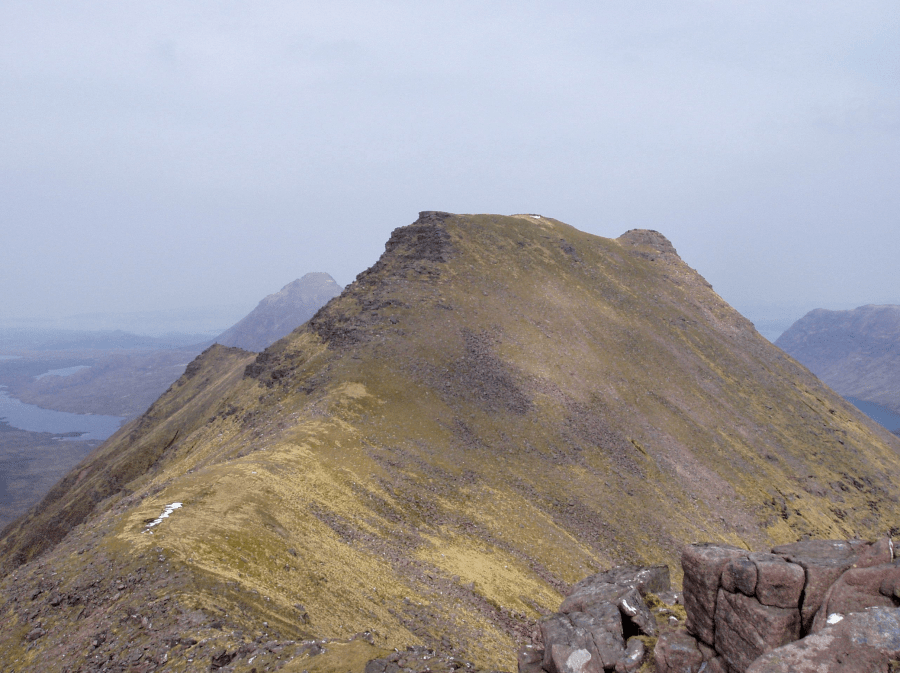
point(418, 659)
point(823, 562)
point(817, 605)
point(599, 624)
point(863, 641)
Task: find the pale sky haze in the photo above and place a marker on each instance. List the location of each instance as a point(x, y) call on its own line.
point(190, 154)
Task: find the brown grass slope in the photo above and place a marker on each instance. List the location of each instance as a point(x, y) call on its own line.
point(498, 407)
point(128, 454)
point(855, 352)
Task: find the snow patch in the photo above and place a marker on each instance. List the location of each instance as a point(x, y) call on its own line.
point(165, 515)
point(834, 618)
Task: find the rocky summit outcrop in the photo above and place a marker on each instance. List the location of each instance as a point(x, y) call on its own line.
point(815, 605)
point(279, 314)
point(855, 352)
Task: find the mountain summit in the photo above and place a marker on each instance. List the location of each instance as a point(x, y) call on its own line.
point(497, 408)
point(281, 313)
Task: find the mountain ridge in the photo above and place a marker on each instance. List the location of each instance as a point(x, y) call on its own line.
point(498, 407)
point(857, 352)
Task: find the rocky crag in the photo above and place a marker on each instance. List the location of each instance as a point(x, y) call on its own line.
point(604, 624)
point(497, 408)
point(816, 606)
point(855, 352)
point(279, 314)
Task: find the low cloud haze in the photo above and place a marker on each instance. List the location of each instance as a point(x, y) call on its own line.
point(172, 155)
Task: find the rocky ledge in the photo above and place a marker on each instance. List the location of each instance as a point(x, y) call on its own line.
point(604, 624)
point(823, 606)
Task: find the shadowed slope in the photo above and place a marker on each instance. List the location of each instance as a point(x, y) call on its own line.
point(498, 407)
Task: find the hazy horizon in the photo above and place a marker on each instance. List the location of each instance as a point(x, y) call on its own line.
point(770, 319)
point(179, 157)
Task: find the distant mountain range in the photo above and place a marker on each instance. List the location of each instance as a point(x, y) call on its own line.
point(497, 408)
point(207, 320)
point(856, 352)
point(51, 339)
point(281, 313)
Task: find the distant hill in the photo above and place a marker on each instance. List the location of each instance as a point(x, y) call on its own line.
point(497, 408)
point(855, 352)
point(44, 339)
point(114, 382)
point(281, 313)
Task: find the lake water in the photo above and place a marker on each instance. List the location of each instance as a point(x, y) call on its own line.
point(30, 417)
point(65, 371)
point(878, 413)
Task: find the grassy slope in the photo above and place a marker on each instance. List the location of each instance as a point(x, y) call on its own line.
point(128, 454)
point(499, 407)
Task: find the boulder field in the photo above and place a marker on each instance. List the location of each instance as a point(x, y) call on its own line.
point(814, 606)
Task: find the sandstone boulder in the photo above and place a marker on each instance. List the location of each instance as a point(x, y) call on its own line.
point(823, 562)
point(740, 575)
point(633, 608)
point(746, 629)
point(558, 630)
point(703, 565)
point(890, 587)
point(529, 659)
point(779, 583)
point(858, 589)
point(634, 656)
point(592, 596)
point(877, 554)
point(588, 634)
point(570, 659)
point(596, 634)
point(715, 665)
point(584, 597)
point(605, 633)
point(610, 585)
point(677, 652)
point(862, 642)
point(646, 579)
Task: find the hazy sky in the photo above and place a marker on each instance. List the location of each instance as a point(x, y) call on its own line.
point(185, 154)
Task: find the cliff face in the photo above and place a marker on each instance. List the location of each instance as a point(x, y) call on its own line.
point(281, 313)
point(855, 352)
point(497, 408)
